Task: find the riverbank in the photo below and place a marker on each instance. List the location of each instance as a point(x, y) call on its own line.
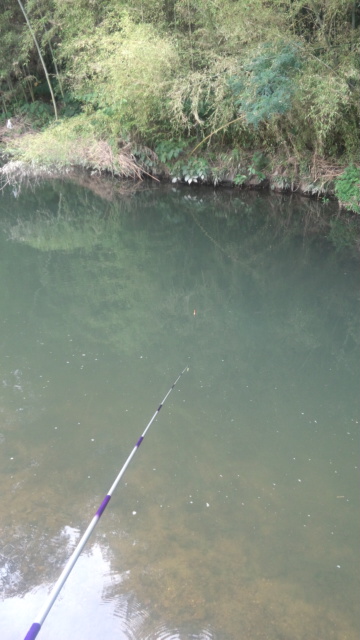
point(29, 156)
point(27, 153)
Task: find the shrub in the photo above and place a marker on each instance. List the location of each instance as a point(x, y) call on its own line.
point(79, 141)
point(193, 171)
point(325, 104)
point(347, 188)
point(124, 73)
point(265, 85)
point(169, 150)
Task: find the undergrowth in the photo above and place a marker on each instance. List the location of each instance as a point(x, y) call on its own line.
point(80, 141)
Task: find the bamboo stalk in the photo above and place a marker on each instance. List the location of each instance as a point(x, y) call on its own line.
point(40, 56)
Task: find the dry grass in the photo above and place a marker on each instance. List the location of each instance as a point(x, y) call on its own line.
point(324, 170)
point(72, 143)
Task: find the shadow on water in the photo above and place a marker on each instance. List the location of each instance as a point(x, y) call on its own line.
point(239, 516)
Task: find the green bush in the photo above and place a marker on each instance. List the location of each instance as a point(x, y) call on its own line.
point(265, 85)
point(40, 113)
point(169, 150)
point(125, 73)
point(347, 188)
point(194, 170)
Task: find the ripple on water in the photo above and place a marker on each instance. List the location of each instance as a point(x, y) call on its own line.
point(163, 632)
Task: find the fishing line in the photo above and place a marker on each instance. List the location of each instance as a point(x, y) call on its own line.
point(36, 625)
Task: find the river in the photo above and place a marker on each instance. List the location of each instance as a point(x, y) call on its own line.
point(239, 515)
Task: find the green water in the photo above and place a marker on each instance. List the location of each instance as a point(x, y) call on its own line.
point(239, 515)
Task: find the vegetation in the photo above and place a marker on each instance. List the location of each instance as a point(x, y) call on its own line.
point(347, 188)
point(278, 78)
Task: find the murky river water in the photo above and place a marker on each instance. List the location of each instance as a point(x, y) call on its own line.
point(239, 515)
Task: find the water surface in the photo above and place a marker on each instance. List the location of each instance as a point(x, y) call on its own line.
point(239, 515)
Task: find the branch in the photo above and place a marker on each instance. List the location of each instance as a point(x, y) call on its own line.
point(216, 131)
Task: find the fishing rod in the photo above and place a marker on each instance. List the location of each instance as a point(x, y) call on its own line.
point(36, 625)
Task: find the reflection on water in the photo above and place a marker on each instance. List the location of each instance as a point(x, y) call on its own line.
point(89, 587)
point(239, 515)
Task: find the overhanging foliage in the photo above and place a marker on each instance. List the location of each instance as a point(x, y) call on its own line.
point(285, 73)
